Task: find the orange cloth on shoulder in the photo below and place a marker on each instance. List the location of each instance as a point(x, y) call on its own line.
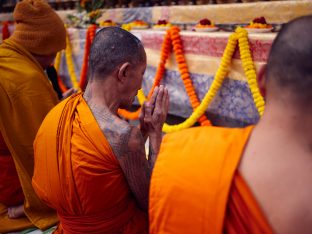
point(83, 180)
point(196, 188)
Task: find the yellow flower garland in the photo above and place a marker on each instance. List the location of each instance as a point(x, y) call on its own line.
point(249, 69)
point(240, 36)
point(141, 97)
point(215, 86)
point(57, 61)
point(70, 64)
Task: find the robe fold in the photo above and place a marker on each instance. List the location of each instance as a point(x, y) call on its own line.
point(26, 96)
point(83, 181)
point(196, 187)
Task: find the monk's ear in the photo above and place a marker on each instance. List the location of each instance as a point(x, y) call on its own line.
point(261, 79)
point(123, 72)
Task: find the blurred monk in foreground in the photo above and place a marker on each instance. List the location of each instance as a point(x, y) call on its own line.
point(90, 165)
point(251, 180)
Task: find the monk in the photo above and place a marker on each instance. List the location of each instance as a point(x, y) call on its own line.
point(26, 96)
point(90, 165)
point(251, 180)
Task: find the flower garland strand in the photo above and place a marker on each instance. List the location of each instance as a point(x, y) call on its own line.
point(57, 61)
point(70, 64)
point(242, 37)
point(185, 75)
point(57, 64)
point(84, 69)
point(215, 86)
point(249, 69)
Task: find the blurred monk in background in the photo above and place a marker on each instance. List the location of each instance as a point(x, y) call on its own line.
point(90, 165)
point(251, 180)
point(26, 96)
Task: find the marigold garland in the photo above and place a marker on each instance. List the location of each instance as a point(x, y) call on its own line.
point(215, 86)
point(185, 75)
point(249, 69)
point(84, 69)
point(71, 70)
point(57, 61)
point(57, 64)
point(240, 36)
point(70, 64)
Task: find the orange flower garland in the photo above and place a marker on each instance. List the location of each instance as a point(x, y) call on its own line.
point(84, 69)
point(185, 75)
point(61, 84)
point(172, 37)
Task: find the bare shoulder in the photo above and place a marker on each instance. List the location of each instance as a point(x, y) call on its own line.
point(121, 136)
point(279, 173)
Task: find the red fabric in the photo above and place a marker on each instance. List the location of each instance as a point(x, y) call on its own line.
point(243, 215)
point(11, 192)
point(5, 31)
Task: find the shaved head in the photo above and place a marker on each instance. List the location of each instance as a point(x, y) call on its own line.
point(111, 47)
point(289, 67)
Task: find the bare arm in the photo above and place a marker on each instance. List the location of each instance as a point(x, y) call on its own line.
point(128, 143)
point(128, 146)
point(135, 166)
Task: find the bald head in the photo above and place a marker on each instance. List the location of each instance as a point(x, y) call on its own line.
point(289, 68)
point(111, 47)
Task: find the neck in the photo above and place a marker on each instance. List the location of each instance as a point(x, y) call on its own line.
point(287, 121)
point(101, 95)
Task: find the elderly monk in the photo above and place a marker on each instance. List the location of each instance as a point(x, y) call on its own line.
point(26, 96)
point(90, 165)
point(251, 180)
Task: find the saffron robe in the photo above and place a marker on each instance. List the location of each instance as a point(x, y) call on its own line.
point(26, 96)
point(83, 180)
point(196, 187)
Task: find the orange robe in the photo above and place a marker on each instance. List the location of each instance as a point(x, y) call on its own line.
point(82, 178)
point(26, 96)
point(196, 187)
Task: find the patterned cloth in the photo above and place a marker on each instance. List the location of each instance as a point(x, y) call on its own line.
point(233, 105)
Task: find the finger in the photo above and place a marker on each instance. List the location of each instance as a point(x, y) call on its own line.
point(142, 113)
point(142, 116)
point(159, 98)
point(165, 103)
point(168, 101)
point(148, 111)
point(154, 95)
point(165, 97)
